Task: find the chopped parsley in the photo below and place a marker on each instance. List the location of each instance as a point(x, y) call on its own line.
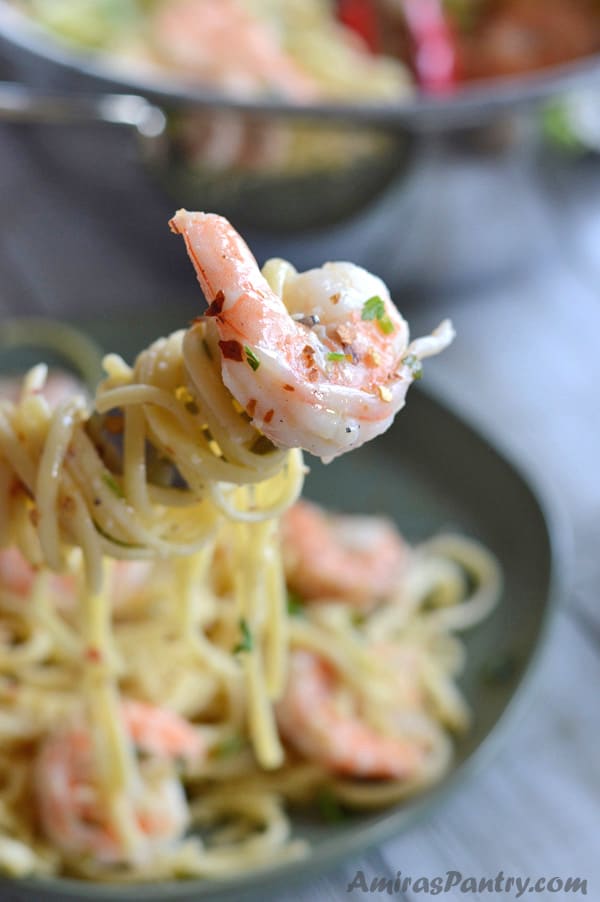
point(247, 643)
point(414, 365)
point(251, 358)
point(329, 808)
point(358, 619)
point(336, 356)
point(295, 604)
point(229, 747)
point(374, 309)
point(464, 13)
point(109, 480)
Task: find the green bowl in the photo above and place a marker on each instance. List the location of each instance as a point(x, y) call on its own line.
point(430, 472)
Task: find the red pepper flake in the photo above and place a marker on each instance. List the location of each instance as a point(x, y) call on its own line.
point(93, 654)
point(217, 305)
point(308, 356)
point(269, 416)
point(67, 504)
point(16, 488)
point(113, 423)
point(231, 350)
point(373, 358)
point(361, 17)
point(251, 408)
point(289, 388)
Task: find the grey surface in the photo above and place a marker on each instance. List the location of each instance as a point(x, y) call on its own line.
point(525, 365)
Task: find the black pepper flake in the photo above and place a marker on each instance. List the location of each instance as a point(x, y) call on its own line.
point(262, 446)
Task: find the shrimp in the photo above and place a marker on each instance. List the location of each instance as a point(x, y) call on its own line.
point(16, 573)
point(353, 559)
point(69, 802)
point(219, 42)
point(326, 368)
point(311, 720)
point(17, 577)
point(57, 385)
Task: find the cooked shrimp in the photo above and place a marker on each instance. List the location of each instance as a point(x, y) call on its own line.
point(350, 558)
point(326, 368)
point(70, 806)
point(218, 41)
point(17, 576)
point(160, 732)
point(312, 720)
point(55, 386)
point(16, 573)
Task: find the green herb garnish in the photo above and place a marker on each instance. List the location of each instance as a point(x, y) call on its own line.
point(358, 619)
point(386, 325)
point(464, 13)
point(109, 480)
point(229, 747)
point(336, 356)
point(558, 127)
point(295, 604)
point(329, 808)
point(414, 365)
point(374, 309)
point(251, 358)
point(247, 643)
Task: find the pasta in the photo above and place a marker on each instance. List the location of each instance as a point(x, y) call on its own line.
point(154, 639)
point(297, 50)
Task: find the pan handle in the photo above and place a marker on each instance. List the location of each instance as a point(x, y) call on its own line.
point(19, 103)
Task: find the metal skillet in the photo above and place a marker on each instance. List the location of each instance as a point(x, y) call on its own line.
point(374, 145)
point(473, 104)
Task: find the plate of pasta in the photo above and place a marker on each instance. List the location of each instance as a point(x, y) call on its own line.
point(210, 683)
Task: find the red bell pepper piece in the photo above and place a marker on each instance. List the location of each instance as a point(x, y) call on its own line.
point(361, 17)
point(435, 49)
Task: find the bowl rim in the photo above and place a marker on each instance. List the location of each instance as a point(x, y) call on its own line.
point(472, 104)
point(337, 849)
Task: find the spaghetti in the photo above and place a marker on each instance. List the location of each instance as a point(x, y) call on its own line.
point(148, 638)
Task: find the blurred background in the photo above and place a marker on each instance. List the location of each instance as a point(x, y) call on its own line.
point(451, 147)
